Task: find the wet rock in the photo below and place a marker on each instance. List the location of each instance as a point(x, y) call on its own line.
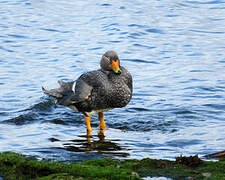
point(192, 161)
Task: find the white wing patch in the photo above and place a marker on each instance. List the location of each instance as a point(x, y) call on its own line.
point(73, 87)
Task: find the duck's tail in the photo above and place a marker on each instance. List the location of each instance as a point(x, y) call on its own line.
point(62, 95)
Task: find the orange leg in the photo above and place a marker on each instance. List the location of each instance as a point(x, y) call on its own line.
point(101, 119)
point(88, 123)
point(88, 136)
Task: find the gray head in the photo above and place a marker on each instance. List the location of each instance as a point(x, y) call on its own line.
point(110, 62)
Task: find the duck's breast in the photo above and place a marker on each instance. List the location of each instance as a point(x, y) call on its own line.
point(120, 91)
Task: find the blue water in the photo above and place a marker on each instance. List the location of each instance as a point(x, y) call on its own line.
point(175, 51)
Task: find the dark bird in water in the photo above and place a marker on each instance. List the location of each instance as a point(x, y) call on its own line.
point(96, 91)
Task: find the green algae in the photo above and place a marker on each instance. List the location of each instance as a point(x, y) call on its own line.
point(16, 166)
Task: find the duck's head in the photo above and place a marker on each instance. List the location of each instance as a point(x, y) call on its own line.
point(110, 62)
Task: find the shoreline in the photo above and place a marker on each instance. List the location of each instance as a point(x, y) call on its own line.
point(17, 166)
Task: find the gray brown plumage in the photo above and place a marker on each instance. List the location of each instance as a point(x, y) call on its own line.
point(96, 91)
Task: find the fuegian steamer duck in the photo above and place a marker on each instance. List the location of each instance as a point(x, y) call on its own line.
point(96, 91)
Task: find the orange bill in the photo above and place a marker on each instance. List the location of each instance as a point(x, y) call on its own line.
point(115, 66)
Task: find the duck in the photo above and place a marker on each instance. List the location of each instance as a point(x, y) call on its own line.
point(96, 91)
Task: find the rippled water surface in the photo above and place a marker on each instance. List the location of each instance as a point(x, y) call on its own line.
point(175, 51)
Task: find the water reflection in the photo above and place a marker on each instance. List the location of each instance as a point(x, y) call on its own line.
point(94, 143)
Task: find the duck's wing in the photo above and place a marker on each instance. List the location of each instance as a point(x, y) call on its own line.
point(87, 83)
point(70, 92)
point(81, 90)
